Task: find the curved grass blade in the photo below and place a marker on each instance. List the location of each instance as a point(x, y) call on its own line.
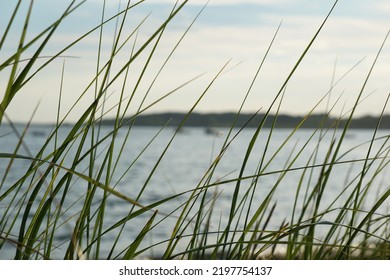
point(138, 240)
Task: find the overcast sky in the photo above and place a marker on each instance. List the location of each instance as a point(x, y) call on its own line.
point(235, 31)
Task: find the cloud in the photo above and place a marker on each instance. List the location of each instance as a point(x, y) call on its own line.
point(227, 30)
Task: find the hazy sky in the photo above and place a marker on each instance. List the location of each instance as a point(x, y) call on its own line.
point(235, 31)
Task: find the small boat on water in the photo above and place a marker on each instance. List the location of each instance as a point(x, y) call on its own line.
point(38, 133)
point(213, 131)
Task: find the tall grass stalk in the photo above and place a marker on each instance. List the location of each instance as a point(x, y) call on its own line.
point(59, 206)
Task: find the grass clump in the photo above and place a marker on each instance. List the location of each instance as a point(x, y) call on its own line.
point(59, 206)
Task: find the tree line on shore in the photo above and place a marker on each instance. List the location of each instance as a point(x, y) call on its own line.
point(252, 120)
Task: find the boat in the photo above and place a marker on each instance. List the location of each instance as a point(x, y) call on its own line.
point(213, 131)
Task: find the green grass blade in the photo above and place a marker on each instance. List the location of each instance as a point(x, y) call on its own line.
point(257, 132)
point(138, 240)
point(9, 93)
point(10, 22)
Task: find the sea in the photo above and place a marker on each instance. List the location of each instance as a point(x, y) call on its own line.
point(164, 164)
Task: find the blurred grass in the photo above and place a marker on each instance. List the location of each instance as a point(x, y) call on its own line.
point(35, 207)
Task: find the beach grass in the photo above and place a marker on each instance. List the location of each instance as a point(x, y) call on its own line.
point(35, 207)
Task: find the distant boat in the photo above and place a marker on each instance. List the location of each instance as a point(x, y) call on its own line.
point(38, 133)
point(350, 135)
point(213, 131)
point(181, 130)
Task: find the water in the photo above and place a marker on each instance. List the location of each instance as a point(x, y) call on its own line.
point(181, 169)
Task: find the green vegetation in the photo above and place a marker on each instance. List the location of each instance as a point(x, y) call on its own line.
point(85, 163)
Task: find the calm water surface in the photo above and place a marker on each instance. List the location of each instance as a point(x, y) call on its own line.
point(182, 168)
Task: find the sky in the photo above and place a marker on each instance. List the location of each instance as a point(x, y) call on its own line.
point(235, 34)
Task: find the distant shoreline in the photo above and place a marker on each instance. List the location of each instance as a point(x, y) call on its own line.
point(249, 120)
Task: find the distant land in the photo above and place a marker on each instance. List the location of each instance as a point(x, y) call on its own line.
point(250, 120)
